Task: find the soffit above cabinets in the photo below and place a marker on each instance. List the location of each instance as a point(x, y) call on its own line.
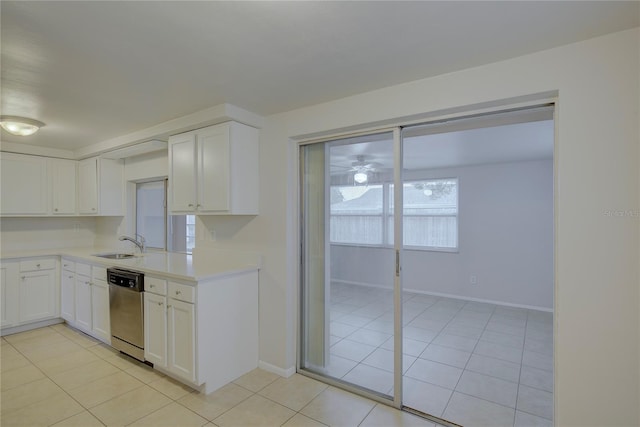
point(137, 149)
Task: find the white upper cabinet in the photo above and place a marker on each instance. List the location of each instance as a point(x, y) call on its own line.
point(213, 167)
point(63, 186)
point(214, 171)
point(24, 185)
point(34, 185)
point(182, 172)
point(100, 187)
point(88, 186)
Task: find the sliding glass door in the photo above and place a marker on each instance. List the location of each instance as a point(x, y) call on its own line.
point(478, 268)
point(349, 261)
point(438, 297)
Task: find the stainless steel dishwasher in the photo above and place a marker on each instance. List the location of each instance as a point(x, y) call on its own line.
point(126, 308)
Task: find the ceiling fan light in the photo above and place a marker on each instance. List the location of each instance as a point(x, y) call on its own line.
point(20, 126)
point(360, 177)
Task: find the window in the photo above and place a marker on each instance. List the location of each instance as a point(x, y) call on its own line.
point(151, 214)
point(430, 214)
point(190, 237)
point(364, 214)
point(357, 214)
point(161, 231)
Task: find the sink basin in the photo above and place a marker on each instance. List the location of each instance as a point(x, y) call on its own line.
point(115, 256)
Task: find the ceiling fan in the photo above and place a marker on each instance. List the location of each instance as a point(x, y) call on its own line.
point(362, 169)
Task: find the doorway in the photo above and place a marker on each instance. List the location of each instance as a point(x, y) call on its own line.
point(446, 309)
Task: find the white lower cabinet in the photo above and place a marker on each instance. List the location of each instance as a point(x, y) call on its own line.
point(101, 322)
point(204, 333)
point(68, 292)
point(9, 278)
point(170, 328)
point(155, 334)
point(38, 290)
point(83, 303)
point(29, 291)
point(91, 300)
point(181, 330)
point(37, 295)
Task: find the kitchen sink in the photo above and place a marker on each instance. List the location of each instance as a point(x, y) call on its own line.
point(115, 256)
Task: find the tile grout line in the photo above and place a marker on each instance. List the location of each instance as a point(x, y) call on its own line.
point(56, 384)
point(465, 365)
point(515, 413)
point(502, 318)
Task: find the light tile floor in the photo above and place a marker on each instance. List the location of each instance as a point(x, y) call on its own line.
point(59, 376)
point(471, 363)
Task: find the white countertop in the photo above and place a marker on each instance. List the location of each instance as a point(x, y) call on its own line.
point(202, 265)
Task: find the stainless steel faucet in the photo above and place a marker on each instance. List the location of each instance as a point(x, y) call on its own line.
point(138, 242)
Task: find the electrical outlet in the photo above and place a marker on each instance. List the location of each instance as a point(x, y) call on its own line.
point(473, 280)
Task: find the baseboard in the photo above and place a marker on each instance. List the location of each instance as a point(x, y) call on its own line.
point(286, 373)
point(368, 285)
point(28, 327)
point(439, 294)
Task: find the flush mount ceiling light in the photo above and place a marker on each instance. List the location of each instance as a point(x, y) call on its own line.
point(360, 177)
point(20, 126)
point(361, 169)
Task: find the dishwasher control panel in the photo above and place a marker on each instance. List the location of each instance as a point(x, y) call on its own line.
point(126, 278)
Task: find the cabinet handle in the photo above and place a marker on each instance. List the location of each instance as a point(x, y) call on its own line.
point(178, 292)
point(70, 277)
point(152, 286)
point(198, 205)
point(190, 205)
point(38, 265)
point(168, 305)
point(24, 277)
point(93, 209)
point(160, 303)
point(56, 209)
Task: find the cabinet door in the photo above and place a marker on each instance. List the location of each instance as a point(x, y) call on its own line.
point(37, 295)
point(155, 329)
point(88, 186)
point(100, 320)
point(181, 346)
point(182, 173)
point(24, 188)
point(213, 169)
point(9, 282)
point(111, 187)
point(83, 303)
point(63, 181)
point(68, 297)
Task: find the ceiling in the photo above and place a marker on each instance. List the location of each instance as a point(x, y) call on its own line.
point(515, 142)
point(94, 71)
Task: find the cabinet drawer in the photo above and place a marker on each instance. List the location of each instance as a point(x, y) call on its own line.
point(99, 273)
point(182, 292)
point(37, 264)
point(84, 269)
point(155, 286)
point(68, 265)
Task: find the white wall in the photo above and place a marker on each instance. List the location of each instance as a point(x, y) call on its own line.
point(505, 240)
point(46, 233)
point(597, 281)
